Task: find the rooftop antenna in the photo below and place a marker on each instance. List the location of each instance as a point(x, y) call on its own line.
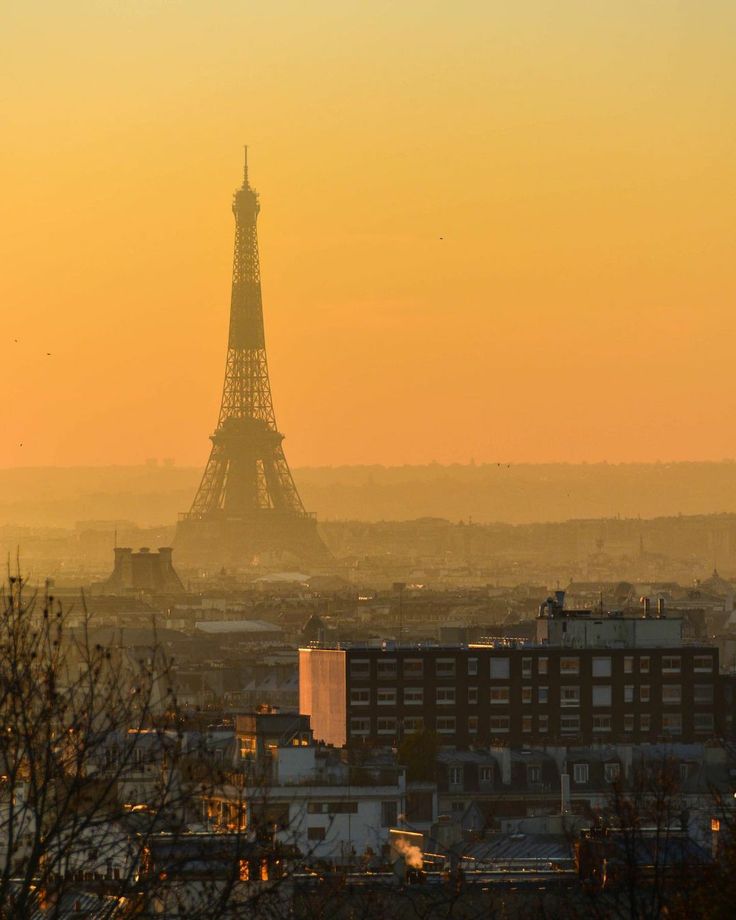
point(245, 166)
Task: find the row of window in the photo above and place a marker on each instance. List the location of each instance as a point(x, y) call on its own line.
point(389, 815)
point(570, 695)
point(456, 774)
point(500, 667)
point(570, 724)
point(332, 808)
point(580, 773)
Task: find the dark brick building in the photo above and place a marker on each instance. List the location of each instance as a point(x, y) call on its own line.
point(516, 695)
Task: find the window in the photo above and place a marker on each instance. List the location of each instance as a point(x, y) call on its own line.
point(533, 774)
point(542, 694)
point(526, 723)
point(332, 808)
point(629, 723)
point(570, 696)
point(485, 774)
point(386, 726)
point(628, 664)
point(446, 725)
point(473, 725)
point(389, 814)
point(684, 771)
point(500, 668)
point(645, 722)
point(671, 694)
point(360, 697)
point(703, 693)
point(455, 776)
point(672, 723)
point(580, 773)
point(542, 665)
point(526, 667)
point(413, 696)
point(644, 664)
point(413, 668)
point(316, 833)
point(445, 696)
point(500, 695)
point(542, 724)
point(472, 666)
point(644, 693)
point(569, 725)
point(526, 694)
point(472, 695)
point(602, 695)
point(601, 667)
point(629, 693)
point(499, 724)
point(570, 665)
point(386, 668)
point(360, 667)
point(703, 664)
point(386, 697)
point(413, 724)
point(703, 722)
point(445, 667)
point(360, 726)
point(457, 807)
point(611, 772)
point(602, 723)
point(671, 664)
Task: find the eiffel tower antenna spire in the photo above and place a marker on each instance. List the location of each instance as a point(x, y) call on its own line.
point(245, 166)
point(247, 502)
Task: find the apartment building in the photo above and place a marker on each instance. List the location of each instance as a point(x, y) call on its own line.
point(310, 798)
point(519, 693)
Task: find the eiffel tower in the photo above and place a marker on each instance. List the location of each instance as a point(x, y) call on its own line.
point(247, 506)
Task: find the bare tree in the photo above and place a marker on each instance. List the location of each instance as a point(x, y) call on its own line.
point(79, 722)
point(638, 860)
point(99, 796)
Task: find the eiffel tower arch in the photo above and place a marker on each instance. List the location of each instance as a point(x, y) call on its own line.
point(247, 506)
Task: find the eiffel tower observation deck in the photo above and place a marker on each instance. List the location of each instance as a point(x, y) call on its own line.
point(247, 508)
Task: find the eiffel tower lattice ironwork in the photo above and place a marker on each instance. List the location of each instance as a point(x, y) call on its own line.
point(247, 502)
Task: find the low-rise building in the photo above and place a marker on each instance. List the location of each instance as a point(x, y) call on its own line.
point(285, 788)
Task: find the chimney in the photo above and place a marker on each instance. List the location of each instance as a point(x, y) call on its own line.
point(123, 571)
point(564, 793)
point(503, 755)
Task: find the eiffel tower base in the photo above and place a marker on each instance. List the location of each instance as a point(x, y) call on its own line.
point(268, 538)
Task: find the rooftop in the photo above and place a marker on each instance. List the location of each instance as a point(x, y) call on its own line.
point(236, 626)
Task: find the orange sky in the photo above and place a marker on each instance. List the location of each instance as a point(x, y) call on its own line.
point(489, 230)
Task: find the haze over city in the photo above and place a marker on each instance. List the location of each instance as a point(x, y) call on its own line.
point(367, 480)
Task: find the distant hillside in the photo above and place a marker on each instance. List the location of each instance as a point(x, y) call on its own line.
point(154, 495)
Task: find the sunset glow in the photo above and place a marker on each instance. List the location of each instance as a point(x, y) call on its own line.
point(488, 230)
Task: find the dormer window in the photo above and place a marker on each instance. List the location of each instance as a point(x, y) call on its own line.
point(580, 773)
point(611, 772)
